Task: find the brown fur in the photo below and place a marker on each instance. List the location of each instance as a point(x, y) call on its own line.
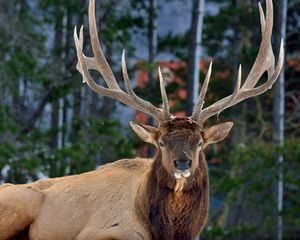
point(128, 199)
point(176, 215)
point(176, 124)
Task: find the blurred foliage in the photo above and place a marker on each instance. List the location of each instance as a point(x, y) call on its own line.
point(249, 190)
point(37, 73)
point(29, 157)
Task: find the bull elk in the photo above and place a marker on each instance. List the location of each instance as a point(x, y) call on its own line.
point(162, 198)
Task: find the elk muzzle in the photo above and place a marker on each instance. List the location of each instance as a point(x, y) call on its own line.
point(183, 164)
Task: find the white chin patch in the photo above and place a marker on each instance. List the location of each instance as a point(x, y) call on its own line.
point(177, 175)
point(184, 174)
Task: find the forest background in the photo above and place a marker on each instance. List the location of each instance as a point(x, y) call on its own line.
point(52, 125)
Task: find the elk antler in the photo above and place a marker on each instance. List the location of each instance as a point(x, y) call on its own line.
point(99, 63)
point(265, 61)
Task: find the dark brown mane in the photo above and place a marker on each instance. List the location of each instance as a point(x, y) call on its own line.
point(176, 215)
point(180, 123)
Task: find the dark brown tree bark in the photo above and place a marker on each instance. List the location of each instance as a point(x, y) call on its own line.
point(77, 98)
point(58, 43)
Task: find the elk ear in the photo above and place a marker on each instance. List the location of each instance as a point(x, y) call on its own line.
point(216, 133)
point(145, 132)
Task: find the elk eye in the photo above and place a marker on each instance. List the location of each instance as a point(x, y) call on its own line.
point(161, 144)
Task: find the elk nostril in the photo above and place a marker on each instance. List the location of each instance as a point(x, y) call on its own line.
point(183, 165)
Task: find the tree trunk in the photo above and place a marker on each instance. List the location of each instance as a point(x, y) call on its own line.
point(278, 109)
point(152, 39)
point(194, 52)
point(152, 49)
point(58, 41)
point(78, 95)
point(234, 112)
point(66, 72)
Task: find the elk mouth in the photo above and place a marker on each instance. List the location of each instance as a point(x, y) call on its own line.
point(182, 168)
point(182, 174)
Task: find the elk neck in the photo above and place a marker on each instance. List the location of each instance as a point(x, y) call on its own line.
point(169, 214)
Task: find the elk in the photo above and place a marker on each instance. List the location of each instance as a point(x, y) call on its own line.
point(166, 197)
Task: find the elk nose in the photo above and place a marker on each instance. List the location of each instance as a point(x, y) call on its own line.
point(183, 164)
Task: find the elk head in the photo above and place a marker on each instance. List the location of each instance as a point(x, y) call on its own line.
point(180, 140)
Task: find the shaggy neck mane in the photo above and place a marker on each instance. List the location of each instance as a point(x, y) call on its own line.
point(175, 215)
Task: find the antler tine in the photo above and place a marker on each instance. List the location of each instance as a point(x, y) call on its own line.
point(242, 95)
point(263, 26)
point(265, 58)
point(83, 65)
point(117, 94)
point(271, 79)
point(265, 61)
point(99, 63)
point(238, 82)
point(262, 18)
point(235, 92)
point(201, 99)
point(152, 109)
point(89, 61)
point(164, 97)
point(86, 75)
point(102, 65)
point(126, 77)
